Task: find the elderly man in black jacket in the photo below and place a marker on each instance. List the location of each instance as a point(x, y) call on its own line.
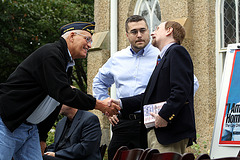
point(37, 86)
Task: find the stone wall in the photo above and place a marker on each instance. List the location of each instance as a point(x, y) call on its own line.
point(201, 46)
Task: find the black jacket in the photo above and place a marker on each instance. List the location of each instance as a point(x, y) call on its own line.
point(83, 138)
point(171, 81)
point(40, 74)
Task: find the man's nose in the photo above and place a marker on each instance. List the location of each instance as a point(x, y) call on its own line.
point(139, 34)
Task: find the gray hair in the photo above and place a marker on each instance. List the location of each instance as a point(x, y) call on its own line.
point(65, 35)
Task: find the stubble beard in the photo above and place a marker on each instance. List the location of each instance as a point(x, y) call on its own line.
point(154, 43)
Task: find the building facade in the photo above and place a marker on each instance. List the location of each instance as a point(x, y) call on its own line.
point(210, 26)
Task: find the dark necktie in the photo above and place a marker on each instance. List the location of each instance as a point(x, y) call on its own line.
point(64, 137)
point(158, 59)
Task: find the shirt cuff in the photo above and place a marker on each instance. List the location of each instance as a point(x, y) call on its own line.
point(120, 103)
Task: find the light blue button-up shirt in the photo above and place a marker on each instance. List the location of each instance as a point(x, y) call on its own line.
point(129, 71)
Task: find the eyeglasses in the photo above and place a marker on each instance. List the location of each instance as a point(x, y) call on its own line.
point(135, 31)
point(89, 39)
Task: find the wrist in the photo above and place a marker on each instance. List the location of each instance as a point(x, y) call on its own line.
point(99, 105)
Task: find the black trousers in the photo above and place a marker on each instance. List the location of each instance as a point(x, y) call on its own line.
point(125, 133)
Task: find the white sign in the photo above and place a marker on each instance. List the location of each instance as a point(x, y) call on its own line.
point(226, 134)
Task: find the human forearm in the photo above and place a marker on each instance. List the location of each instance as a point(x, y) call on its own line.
point(100, 85)
point(131, 104)
point(100, 93)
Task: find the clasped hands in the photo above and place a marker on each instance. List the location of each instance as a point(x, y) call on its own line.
point(108, 106)
point(159, 121)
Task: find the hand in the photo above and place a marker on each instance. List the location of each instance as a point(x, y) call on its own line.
point(115, 101)
point(43, 146)
point(50, 154)
point(113, 120)
point(159, 121)
point(107, 107)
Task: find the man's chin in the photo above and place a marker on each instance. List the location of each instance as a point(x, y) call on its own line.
point(141, 46)
point(154, 43)
point(83, 54)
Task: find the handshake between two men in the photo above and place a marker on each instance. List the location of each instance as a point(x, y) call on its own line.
point(111, 107)
point(108, 106)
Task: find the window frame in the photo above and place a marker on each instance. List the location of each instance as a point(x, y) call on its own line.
point(221, 50)
point(137, 11)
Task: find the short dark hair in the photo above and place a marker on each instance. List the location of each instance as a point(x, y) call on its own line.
point(178, 31)
point(134, 18)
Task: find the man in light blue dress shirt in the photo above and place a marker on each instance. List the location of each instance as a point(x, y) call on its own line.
point(130, 70)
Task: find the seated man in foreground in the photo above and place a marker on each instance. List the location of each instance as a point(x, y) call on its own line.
point(77, 136)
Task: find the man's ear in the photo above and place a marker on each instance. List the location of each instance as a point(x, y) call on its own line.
point(127, 34)
point(169, 31)
point(71, 35)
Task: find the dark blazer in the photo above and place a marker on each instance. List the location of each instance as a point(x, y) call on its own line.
point(42, 73)
point(171, 81)
point(84, 137)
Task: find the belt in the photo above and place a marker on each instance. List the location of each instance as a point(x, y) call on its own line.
point(133, 116)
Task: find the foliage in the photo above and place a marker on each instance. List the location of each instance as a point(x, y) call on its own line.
point(27, 25)
point(197, 149)
point(106, 155)
point(51, 133)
